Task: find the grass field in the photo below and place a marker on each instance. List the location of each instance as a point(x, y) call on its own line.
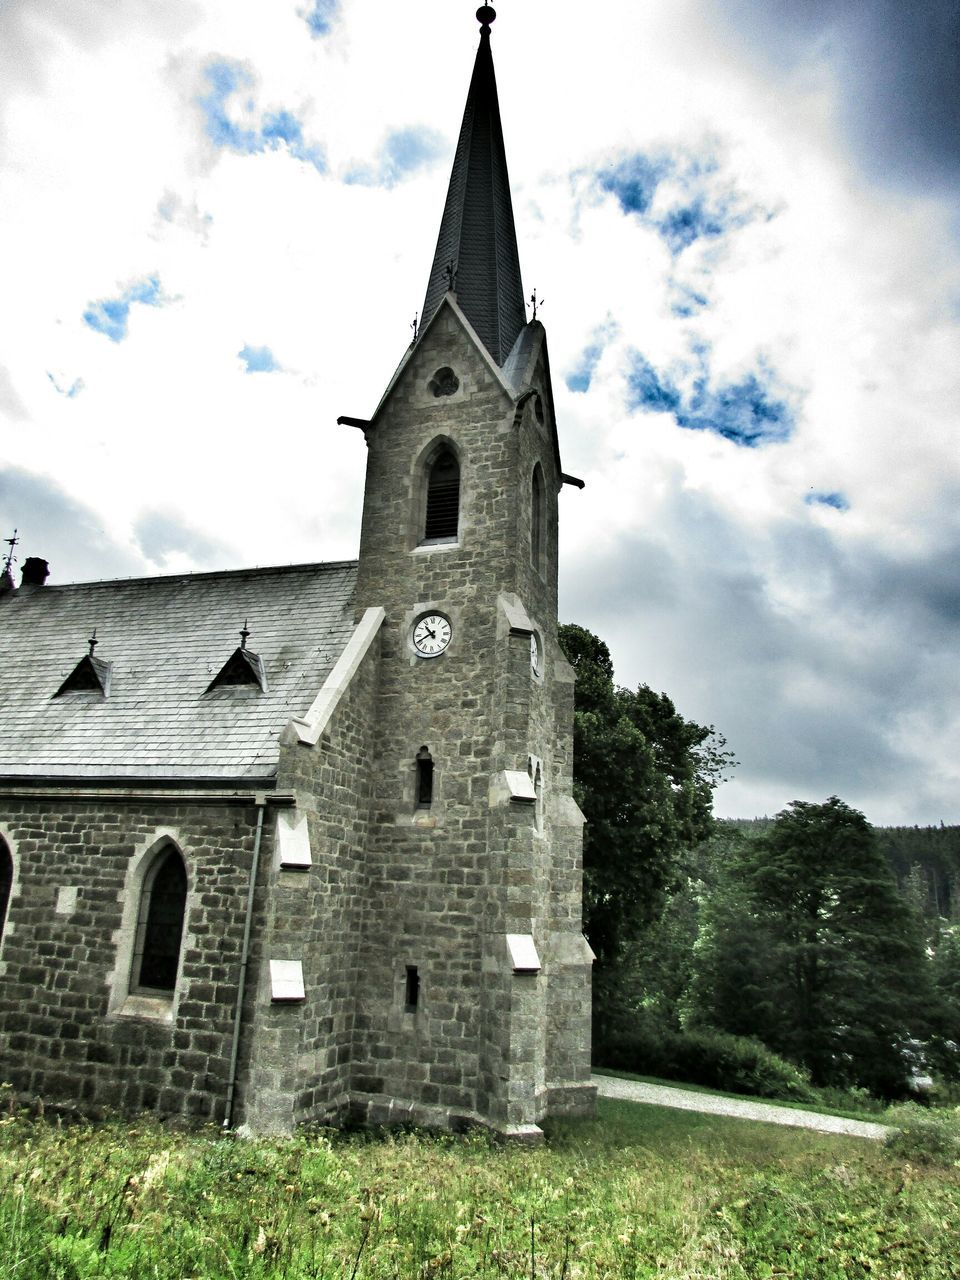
point(643, 1191)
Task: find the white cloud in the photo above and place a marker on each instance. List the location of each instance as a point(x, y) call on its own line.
point(822, 642)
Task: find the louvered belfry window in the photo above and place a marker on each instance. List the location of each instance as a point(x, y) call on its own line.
point(443, 498)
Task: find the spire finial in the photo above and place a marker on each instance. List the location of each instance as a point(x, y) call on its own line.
point(244, 634)
point(93, 641)
point(485, 15)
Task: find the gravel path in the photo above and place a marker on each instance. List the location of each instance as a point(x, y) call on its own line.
point(743, 1109)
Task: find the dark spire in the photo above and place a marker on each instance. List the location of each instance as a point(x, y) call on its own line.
point(477, 245)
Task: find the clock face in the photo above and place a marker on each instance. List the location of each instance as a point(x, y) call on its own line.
point(534, 654)
point(431, 635)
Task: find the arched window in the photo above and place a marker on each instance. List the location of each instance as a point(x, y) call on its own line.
point(6, 882)
point(443, 498)
point(156, 955)
point(537, 519)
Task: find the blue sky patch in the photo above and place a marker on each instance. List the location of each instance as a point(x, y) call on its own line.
point(403, 152)
point(258, 359)
point(747, 412)
point(686, 302)
point(320, 18)
point(834, 499)
point(239, 130)
point(581, 375)
point(683, 198)
point(70, 392)
point(634, 181)
point(110, 315)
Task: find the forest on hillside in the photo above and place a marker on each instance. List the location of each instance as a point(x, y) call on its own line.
point(767, 955)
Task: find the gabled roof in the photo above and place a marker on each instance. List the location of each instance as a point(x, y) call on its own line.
point(167, 638)
point(477, 234)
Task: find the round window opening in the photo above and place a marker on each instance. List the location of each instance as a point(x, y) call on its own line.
point(444, 382)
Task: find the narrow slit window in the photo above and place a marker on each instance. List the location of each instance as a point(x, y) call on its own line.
point(424, 779)
point(443, 498)
point(536, 519)
point(411, 992)
point(6, 883)
point(160, 925)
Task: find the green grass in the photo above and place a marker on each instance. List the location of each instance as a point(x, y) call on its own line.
point(875, 1113)
point(642, 1192)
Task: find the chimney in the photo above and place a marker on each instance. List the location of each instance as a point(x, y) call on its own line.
point(35, 572)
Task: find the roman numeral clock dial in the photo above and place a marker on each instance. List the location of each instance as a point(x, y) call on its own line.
point(431, 635)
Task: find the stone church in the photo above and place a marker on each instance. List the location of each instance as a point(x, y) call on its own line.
point(299, 844)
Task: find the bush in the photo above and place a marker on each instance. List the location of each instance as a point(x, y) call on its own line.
point(711, 1058)
point(926, 1135)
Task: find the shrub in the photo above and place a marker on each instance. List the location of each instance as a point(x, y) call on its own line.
point(711, 1058)
point(926, 1135)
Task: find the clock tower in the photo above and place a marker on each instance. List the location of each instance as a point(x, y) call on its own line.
point(474, 976)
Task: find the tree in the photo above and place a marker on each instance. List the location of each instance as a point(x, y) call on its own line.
point(644, 778)
point(808, 946)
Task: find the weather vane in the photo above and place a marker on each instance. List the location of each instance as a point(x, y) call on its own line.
point(536, 303)
point(414, 326)
point(11, 543)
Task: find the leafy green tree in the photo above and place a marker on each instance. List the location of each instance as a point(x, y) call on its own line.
point(808, 946)
point(644, 778)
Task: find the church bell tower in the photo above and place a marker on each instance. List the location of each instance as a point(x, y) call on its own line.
point(474, 976)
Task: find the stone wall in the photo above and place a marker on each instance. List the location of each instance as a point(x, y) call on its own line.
point(66, 1034)
point(298, 1057)
point(448, 884)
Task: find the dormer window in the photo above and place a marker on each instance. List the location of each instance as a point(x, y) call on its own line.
point(443, 498)
point(242, 668)
point(90, 675)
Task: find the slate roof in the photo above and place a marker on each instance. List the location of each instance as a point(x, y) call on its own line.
point(166, 638)
point(477, 231)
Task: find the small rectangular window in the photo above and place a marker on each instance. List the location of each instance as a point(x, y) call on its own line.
point(411, 997)
point(424, 779)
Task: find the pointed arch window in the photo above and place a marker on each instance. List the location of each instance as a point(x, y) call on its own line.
point(6, 882)
point(163, 902)
point(443, 498)
point(537, 518)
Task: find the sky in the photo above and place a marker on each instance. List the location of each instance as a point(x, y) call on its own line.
point(742, 217)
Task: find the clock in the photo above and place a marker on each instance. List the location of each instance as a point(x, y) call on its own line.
point(431, 635)
point(534, 654)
